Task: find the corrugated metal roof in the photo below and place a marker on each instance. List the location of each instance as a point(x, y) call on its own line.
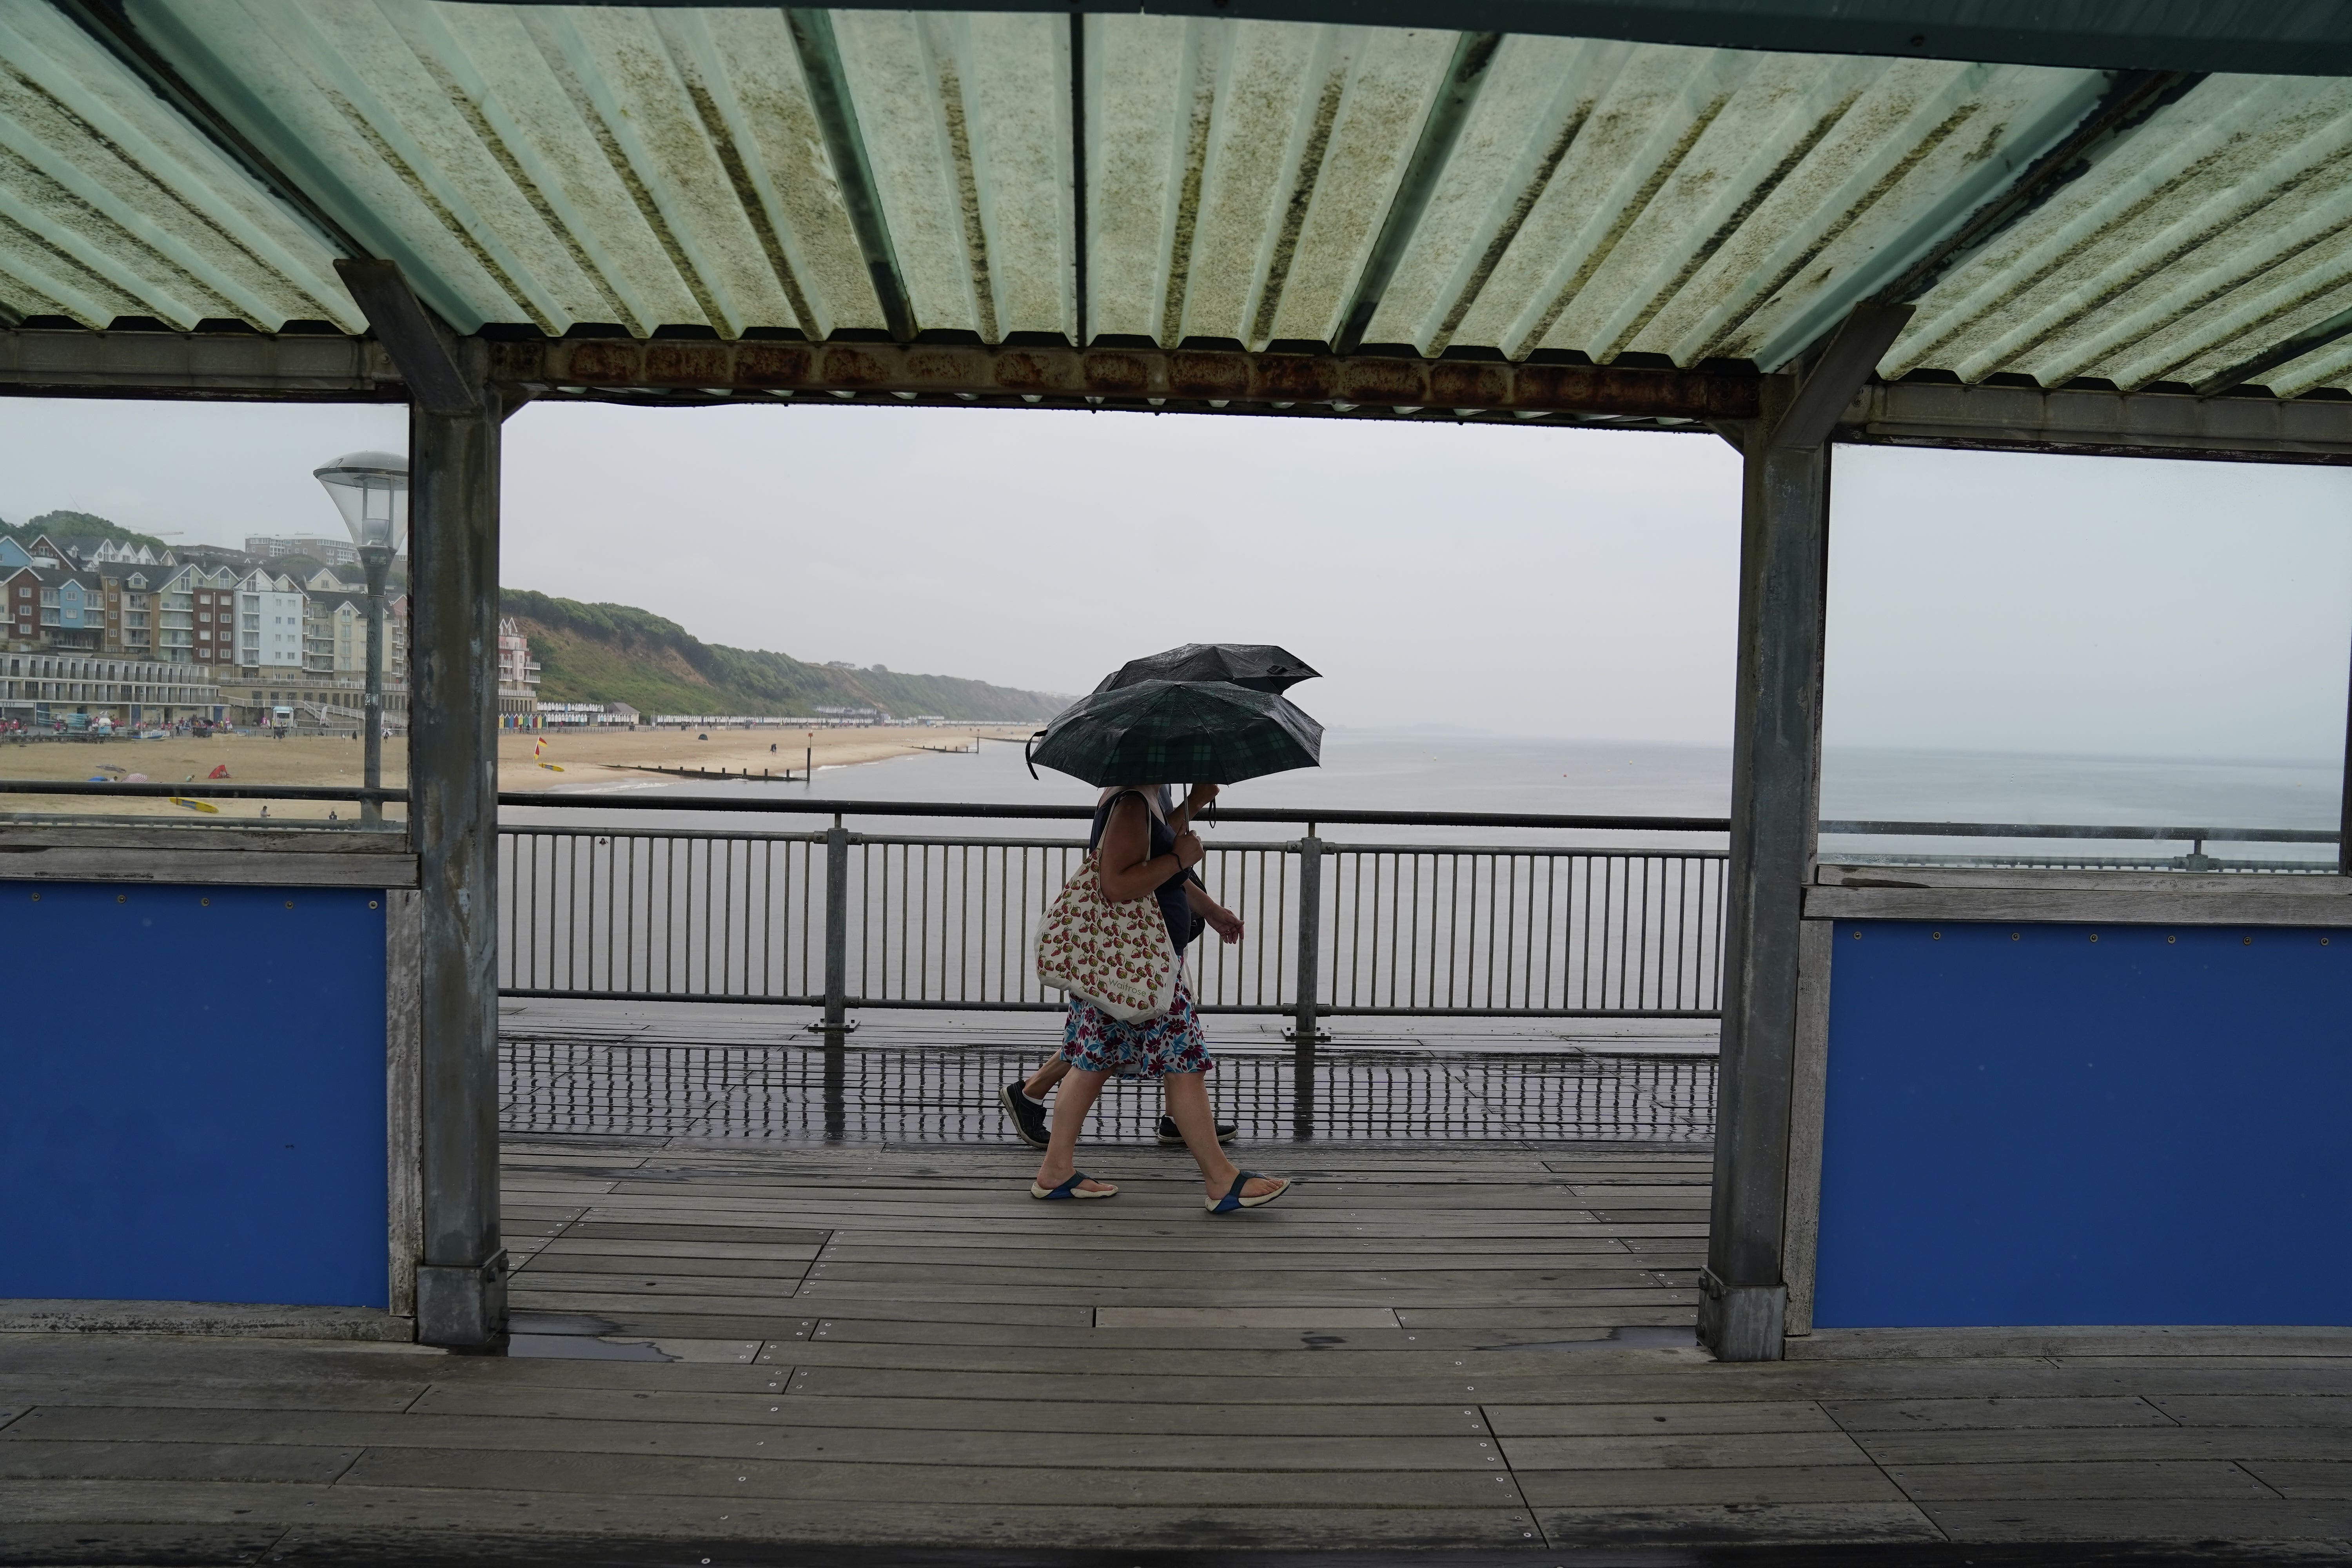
point(759, 172)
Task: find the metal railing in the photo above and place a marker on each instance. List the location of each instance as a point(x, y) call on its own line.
point(844, 921)
point(2195, 859)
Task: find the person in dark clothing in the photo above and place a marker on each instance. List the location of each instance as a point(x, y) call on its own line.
point(1139, 853)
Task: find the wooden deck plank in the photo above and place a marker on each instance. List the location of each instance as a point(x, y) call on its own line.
point(1646, 1451)
point(1517, 1421)
point(982, 1416)
point(1722, 1486)
point(2076, 1481)
point(85, 1435)
point(415, 1516)
point(1870, 1415)
point(846, 1481)
point(2326, 1524)
point(1714, 1524)
point(34, 1458)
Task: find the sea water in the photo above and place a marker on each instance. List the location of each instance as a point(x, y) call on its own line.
point(1447, 770)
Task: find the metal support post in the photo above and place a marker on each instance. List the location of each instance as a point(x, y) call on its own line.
point(837, 934)
point(453, 818)
point(1304, 1033)
point(377, 561)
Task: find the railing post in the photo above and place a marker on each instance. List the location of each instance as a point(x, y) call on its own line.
point(836, 932)
point(1304, 1033)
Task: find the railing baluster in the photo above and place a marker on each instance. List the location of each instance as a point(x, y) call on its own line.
point(1304, 1025)
point(836, 930)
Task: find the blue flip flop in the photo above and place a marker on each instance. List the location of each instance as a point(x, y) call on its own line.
point(1069, 1189)
point(1234, 1201)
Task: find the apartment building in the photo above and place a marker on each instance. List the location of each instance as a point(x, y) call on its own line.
point(40, 689)
point(518, 678)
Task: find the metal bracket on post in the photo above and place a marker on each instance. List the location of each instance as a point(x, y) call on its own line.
point(1741, 1322)
point(462, 1306)
point(1304, 1033)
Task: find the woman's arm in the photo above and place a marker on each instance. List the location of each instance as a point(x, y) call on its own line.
point(1123, 862)
point(1223, 921)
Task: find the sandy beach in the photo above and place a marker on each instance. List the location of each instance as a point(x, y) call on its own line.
point(567, 761)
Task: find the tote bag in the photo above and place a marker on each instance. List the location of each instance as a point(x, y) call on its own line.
point(1116, 956)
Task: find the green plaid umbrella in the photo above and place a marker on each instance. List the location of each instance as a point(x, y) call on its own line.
point(1169, 731)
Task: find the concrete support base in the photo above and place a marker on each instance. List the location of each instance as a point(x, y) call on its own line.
point(461, 1307)
point(1741, 1322)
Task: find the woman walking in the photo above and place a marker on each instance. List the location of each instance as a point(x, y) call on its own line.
point(1137, 856)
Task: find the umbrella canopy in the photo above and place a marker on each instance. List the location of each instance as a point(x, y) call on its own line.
point(1164, 731)
point(1261, 667)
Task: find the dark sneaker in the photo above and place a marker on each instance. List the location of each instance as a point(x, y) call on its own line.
point(1028, 1116)
point(1172, 1138)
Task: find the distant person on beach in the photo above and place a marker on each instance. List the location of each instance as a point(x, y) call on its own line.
point(1139, 854)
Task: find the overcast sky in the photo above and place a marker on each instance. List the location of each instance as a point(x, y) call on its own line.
point(1534, 581)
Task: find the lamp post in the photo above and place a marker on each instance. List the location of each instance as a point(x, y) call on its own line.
point(371, 489)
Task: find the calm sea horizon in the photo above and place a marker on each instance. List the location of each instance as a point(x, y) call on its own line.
point(1444, 769)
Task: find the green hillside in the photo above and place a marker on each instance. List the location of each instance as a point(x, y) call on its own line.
point(617, 653)
point(76, 525)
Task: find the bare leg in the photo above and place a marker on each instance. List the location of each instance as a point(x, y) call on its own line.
point(1188, 1102)
point(1037, 1084)
point(1062, 1152)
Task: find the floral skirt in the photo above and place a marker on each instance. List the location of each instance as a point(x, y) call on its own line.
point(1094, 1041)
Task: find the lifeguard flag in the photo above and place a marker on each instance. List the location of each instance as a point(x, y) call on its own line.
point(220, 772)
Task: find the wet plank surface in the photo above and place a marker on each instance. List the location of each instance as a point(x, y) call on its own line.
point(1474, 1346)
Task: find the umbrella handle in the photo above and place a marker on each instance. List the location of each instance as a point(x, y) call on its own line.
point(1025, 748)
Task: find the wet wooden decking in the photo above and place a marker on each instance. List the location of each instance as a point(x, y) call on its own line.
point(889, 1346)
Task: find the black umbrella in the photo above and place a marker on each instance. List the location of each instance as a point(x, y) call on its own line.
point(1261, 667)
point(1160, 732)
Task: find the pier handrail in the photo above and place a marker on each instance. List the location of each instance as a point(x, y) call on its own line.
point(976, 811)
point(2078, 830)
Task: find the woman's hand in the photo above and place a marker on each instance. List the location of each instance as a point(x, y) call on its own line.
point(1202, 797)
point(1224, 922)
point(1189, 851)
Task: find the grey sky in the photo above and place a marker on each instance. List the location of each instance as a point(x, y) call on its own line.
point(1535, 582)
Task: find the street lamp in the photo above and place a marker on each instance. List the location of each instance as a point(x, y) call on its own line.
point(371, 489)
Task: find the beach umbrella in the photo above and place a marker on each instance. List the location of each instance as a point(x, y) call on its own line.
point(1261, 667)
point(1159, 731)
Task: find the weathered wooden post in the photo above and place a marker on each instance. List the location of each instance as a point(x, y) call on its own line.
point(1775, 784)
point(453, 814)
point(454, 416)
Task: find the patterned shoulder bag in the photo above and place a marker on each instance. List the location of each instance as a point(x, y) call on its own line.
point(1117, 956)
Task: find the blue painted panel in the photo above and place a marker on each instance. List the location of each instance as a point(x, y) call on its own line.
point(2033, 1125)
point(192, 1094)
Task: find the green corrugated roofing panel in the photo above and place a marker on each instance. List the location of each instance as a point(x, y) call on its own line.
point(111, 206)
point(554, 167)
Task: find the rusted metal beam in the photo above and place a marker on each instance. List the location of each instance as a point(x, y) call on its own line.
point(1126, 376)
point(2100, 424)
point(67, 362)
